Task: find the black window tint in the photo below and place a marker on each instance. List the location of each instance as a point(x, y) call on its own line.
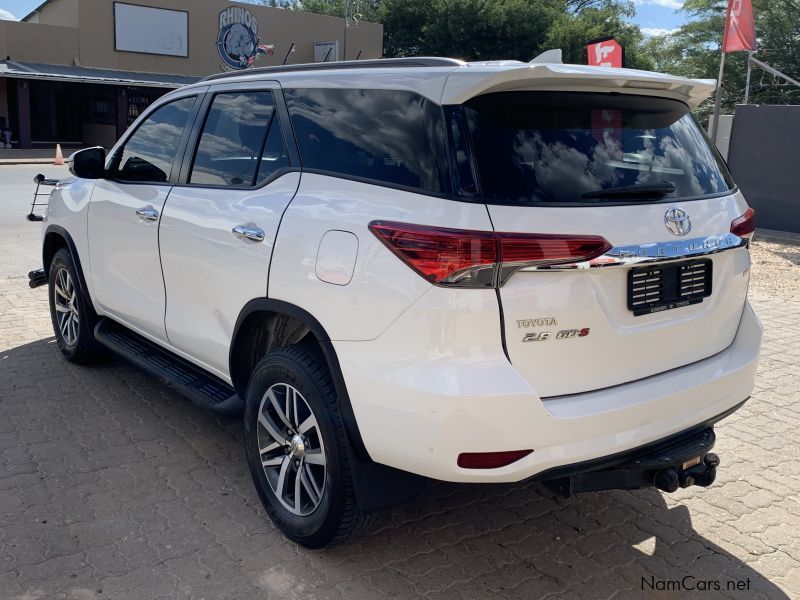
point(149, 153)
point(389, 136)
point(553, 147)
point(463, 175)
point(274, 156)
point(233, 138)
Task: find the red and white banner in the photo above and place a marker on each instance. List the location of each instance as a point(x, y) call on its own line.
point(740, 29)
point(605, 53)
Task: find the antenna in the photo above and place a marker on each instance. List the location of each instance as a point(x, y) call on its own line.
point(548, 56)
point(285, 58)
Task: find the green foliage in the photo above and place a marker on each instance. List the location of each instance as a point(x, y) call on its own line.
point(491, 29)
point(694, 51)
point(520, 29)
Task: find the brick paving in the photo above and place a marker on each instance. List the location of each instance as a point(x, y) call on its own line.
point(113, 486)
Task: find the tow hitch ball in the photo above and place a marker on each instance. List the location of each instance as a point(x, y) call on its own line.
point(703, 474)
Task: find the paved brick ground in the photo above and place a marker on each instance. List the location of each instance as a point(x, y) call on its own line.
point(112, 486)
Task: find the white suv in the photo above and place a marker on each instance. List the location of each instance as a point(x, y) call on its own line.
point(420, 269)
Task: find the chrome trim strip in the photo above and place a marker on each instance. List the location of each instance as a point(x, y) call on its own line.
point(653, 253)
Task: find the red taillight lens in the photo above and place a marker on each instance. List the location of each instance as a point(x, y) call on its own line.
point(540, 249)
point(466, 258)
point(745, 225)
point(441, 255)
point(490, 460)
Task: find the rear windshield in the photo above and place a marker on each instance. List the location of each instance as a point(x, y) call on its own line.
point(556, 147)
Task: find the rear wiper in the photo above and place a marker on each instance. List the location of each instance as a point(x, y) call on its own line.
point(642, 190)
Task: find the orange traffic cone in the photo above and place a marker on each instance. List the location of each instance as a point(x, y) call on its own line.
point(59, 160)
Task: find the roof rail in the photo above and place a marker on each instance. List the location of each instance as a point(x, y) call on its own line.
point(422, 61)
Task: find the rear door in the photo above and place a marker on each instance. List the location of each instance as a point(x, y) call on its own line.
point(639, 172)
point(220, 221)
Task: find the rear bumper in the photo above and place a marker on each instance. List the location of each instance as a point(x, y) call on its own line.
point(419, 408)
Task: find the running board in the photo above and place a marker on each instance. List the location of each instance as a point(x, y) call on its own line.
point(203, 389)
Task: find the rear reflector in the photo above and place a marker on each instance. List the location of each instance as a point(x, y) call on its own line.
point(465, 258)
point(745, 225)
point(490, 460)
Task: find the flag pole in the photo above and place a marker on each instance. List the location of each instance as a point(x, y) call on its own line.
point(747, 83)
point(718, 97)
point(717, 100)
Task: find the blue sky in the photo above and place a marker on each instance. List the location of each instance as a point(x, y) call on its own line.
point(653, 16)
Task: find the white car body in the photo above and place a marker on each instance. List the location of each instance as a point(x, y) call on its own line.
point(432, 372)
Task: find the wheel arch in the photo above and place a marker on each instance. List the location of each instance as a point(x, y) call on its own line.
point(55, 238)
point(291, 324)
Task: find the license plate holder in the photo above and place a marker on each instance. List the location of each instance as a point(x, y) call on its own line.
point(665, 286)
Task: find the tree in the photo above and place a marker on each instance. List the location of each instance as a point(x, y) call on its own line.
point(363, 10)
point(492, 29)
point(468, 29)
point(589, 20)
point(694, 51)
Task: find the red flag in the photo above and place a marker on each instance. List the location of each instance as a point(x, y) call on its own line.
point(740, 29)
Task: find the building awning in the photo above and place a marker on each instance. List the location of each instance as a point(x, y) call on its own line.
point(10, 68)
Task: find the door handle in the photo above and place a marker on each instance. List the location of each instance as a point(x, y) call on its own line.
point(148, 213)
point(250, 232)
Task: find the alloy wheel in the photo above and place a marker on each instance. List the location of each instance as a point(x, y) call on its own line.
point(291, 449)
point(65, 298)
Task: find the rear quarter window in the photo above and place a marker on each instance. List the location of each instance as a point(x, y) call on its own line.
point(384, 136)
point(554, 147)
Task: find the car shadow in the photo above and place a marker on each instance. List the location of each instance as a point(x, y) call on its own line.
point(149, 452)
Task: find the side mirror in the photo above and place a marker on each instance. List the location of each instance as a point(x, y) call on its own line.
point(89, 163)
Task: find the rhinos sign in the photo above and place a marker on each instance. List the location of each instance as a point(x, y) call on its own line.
point(237, 40)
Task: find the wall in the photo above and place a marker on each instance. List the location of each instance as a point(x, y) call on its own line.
point(724, 130)
point(4, 100)
point(58, 12)
point(763, 160)
point(31, 42)
point(276, 26)
point(96, 134)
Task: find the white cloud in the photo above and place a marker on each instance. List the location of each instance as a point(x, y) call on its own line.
point(6, 15)
point(653, 31)
point(673, 4)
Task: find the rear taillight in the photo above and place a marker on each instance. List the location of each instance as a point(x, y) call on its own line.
point(442, 256)
point(745, 225)
point(541, 249)
point(465, 258)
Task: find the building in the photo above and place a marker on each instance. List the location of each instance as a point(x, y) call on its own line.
point(78, 72)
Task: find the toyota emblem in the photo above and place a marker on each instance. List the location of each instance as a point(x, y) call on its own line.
point(678, 221)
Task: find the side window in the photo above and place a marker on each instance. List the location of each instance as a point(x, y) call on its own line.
point(241, 144)
point(389, 136)
point(149, 153)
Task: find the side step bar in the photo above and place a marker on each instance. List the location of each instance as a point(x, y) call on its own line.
point(203, 389)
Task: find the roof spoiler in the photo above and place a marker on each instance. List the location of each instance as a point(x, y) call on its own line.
point(543, 73)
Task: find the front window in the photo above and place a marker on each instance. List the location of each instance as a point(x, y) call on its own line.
point(150, 152)
point(570, 147)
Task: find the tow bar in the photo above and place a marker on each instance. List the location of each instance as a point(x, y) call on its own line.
point(702, 474)
point(678, 462)
point(37, 278)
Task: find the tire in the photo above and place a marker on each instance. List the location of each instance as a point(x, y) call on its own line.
point(316, 519)
point(73, 318)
